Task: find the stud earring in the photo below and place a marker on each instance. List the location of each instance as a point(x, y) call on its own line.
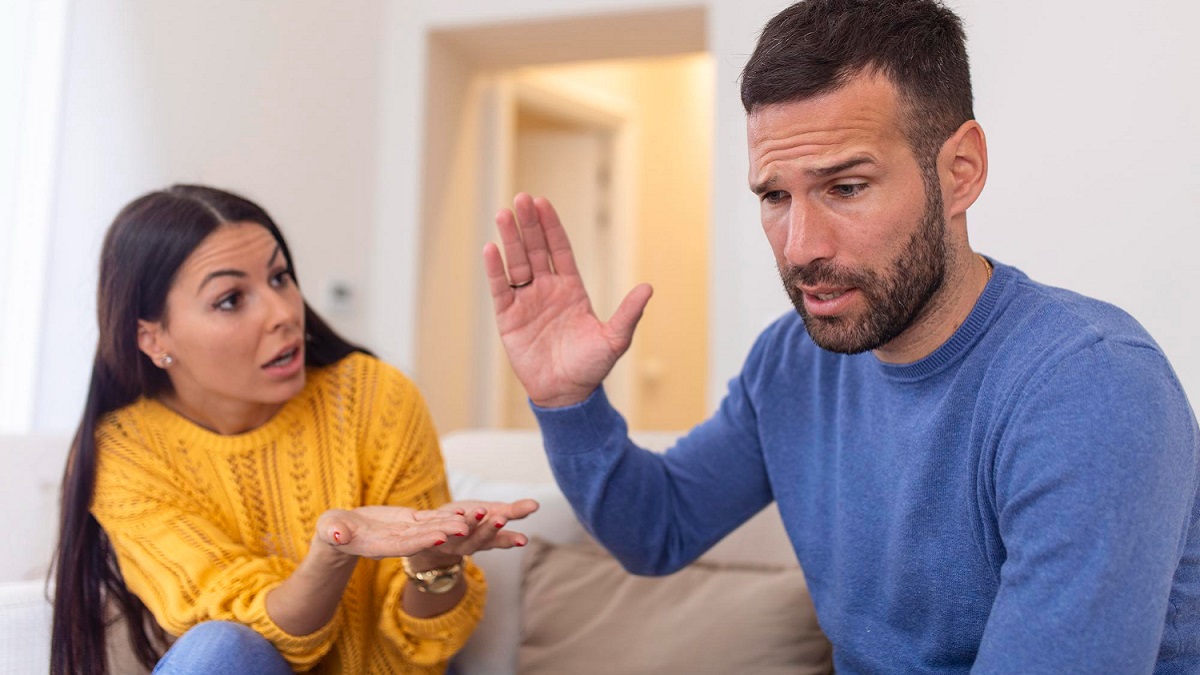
point(166, 360)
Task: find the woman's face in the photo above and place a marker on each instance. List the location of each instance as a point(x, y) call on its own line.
point(234, 329)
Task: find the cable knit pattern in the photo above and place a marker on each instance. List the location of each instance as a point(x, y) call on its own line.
point(205, 525)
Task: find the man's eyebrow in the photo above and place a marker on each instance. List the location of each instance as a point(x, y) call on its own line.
point(827, 171)
point(765, 186)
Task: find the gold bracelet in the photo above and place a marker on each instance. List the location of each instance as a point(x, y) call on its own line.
point(436, 580)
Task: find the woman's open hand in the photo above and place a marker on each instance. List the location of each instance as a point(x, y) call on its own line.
point(389, 531)
point(454, 529)
point(487, 521)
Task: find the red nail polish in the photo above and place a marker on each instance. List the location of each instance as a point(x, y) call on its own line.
point(337, 537)
point(520, 543)
point(478, 516)
point(439, 542)
point(459, 534)
point(460, 512)
point(499, 525)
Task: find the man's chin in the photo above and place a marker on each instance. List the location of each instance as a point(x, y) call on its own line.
point(838, 334)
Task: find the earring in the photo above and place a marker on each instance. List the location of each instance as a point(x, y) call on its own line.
point(166, 360)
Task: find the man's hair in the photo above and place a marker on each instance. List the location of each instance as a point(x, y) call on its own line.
point(816, 46)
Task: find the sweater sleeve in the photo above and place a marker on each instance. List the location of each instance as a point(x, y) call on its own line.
point(656, 512)
point(409, 472)
point(179, 559)
point(1095, 482)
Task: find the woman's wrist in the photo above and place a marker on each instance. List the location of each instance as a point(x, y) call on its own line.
point(431, 559)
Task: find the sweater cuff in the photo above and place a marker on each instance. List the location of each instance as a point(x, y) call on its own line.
point(579, 428)
point(301, 651)
point(449, 630)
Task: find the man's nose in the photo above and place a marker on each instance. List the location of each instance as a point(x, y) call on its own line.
point(810, 236)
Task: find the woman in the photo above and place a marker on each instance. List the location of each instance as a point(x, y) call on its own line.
point(245, 478)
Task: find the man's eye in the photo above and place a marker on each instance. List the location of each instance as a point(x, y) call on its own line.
point(774, 196)
point(229, 302)
point(849, 190)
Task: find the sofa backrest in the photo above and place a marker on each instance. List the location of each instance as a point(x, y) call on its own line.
point(31, 469)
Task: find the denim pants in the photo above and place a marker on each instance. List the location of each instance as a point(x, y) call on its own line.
point(222, 648)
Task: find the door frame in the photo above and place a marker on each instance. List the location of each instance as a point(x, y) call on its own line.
point(504, 95)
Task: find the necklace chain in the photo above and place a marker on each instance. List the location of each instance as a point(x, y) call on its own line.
point(986, 265)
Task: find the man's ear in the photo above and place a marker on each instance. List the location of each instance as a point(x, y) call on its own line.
point(151, 339)
point(965, 167)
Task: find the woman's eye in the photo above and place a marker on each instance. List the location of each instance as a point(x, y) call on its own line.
point(849, 190)
point(280, 279)
point(228, 303)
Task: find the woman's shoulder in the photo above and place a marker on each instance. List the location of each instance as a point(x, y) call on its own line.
point(140, 431)
point(363, 376)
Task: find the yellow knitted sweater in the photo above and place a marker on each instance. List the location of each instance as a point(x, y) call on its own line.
point(204, 525)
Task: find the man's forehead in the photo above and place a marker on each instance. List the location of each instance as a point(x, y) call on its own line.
point(857, 119)
point(865, 102)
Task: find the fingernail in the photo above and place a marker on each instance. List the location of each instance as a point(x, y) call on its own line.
point(479, 516)
point(337, 537)
point(460, 512)
point(520, 543)
point(439, 542)
point(459, 534)
point(499, 525)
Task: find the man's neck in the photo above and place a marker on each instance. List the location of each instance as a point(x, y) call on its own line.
point(965, 280)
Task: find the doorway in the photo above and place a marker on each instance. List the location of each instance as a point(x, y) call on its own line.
point(622, 147)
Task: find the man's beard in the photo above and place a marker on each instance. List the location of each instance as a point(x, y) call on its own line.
point(894, 300)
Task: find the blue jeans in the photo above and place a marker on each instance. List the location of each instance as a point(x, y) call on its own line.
point(222, 648)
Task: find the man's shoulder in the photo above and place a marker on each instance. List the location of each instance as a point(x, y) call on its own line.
point(1033, 315)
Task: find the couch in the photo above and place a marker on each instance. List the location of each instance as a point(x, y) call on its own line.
point(559, 605)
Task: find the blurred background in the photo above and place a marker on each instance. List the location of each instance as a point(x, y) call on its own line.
point(384, 135)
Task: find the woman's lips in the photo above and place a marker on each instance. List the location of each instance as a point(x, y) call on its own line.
point(287, 363)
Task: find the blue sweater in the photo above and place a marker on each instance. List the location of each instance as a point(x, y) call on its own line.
point(1022, 500)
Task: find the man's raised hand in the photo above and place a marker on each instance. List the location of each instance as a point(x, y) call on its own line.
point(558, 347)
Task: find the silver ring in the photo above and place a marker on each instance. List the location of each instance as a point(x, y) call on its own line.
point(522, 285)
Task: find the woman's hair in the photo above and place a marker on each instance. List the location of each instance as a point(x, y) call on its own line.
point(145, 246)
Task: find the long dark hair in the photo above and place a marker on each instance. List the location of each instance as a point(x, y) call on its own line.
point(144, 248)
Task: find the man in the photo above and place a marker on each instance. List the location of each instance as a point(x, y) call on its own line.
point(977, 472)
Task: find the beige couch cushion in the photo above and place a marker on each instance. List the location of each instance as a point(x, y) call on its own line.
point(582, 613)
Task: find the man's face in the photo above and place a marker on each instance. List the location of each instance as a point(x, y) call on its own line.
point(858, 236)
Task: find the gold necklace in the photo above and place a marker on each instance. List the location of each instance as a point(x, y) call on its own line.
point(986, 265)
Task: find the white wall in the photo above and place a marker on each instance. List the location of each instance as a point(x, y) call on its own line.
point(1091, 112)
point(278, 100)
point(1090, 108)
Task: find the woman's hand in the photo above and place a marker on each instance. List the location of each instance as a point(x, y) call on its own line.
point(389, 531)
point(486, 521)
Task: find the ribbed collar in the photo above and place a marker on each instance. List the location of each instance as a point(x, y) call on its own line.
point(963, 339)
point(175, 425)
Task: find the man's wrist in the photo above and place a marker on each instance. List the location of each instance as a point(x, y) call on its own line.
point(564, 400)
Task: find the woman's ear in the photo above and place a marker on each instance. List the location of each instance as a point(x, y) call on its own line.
point(966, 169)
point(151, 339)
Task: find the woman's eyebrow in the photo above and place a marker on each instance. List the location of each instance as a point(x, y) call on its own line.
point(237, 273)
point(220, 273)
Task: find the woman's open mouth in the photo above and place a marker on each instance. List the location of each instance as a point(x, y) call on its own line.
point(284, 359)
